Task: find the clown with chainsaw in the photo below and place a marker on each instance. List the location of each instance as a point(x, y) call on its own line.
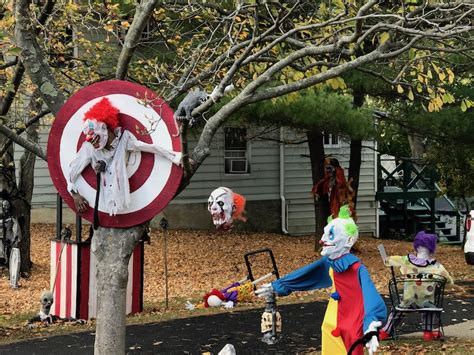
point(355, 310)
point(107, 148)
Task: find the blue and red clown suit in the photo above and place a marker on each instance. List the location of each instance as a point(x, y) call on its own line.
point(355, 305)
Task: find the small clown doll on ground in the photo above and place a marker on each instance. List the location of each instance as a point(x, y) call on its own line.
point(226, 207)
point(417, 296)
point(107, 147)
point(241, 291)
point(355, 310)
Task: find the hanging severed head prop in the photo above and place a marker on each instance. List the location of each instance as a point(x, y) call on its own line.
point(225, 206)
point(339, 235)
point(98, 120)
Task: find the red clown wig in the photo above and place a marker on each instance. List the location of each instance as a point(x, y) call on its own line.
point(239, 202)
point(103, 111)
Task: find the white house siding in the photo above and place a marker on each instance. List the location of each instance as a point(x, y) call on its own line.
point(261, 184)
point(298, 184)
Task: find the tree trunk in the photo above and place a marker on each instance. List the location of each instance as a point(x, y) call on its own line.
point(355, 159)
point(354, 167)
point(321, 205)
point(112, 248)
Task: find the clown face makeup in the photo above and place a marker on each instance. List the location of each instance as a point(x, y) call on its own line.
point(221, 206)
point(96, 133)
point(339, 237)
point(423, 252)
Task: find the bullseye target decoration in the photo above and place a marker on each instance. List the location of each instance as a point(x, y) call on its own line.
point(153, 179)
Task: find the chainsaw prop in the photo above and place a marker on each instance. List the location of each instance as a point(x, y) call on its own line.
point(241, 291)
point(271, 318)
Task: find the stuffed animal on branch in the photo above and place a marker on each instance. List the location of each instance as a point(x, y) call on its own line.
point(193, 99)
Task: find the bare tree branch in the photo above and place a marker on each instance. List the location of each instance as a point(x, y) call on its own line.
point(19, 131)
point(35, 148)
point(34, 59)
point(132, 39)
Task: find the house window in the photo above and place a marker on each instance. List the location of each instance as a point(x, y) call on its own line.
point(236, 151)
point(331, 140)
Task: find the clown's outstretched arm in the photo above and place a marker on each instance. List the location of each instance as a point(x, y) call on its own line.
point(375, 311)
point(445, 273)
point(309, 277)
point(395, 260)
point(134, 144)
point(83, 158)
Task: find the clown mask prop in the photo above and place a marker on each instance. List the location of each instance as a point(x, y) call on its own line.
point(98, 120)
point(225, 206)
point(339, 235)
point(96, 133)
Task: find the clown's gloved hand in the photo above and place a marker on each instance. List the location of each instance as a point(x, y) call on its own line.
point(100, 166)
point(373, 344)
point(265, 290)
point(228, 304)
point(189, 306)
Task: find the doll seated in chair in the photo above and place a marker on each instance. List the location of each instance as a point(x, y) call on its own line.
point(418, 292)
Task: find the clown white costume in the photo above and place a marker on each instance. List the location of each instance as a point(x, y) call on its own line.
point(106, 148)
point(355, 307)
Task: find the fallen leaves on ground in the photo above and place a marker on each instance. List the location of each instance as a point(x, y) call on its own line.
point(201, 260)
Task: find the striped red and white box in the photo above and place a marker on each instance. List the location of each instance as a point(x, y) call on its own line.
point(75, 291)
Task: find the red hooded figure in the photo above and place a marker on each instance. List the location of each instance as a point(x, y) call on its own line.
point(335, 187)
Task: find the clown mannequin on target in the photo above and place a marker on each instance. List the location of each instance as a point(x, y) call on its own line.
point(107, 148)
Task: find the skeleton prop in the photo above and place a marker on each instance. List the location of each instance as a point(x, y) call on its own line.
point(107, 148)
point(225, 207)
point(44, 315)
point(10, 237)
point(417, 296)
point(355, 308)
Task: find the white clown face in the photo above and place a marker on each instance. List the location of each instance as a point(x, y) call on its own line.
point(339, 237)
point(221, 206)
point(214, 301)
point(96, 133)
point(423, 252)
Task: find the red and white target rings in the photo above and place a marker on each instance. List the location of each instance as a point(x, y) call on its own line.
point(153, 179)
